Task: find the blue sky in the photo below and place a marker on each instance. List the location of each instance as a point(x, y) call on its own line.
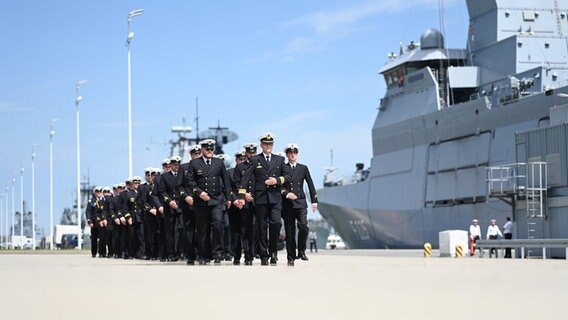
point(305, 70)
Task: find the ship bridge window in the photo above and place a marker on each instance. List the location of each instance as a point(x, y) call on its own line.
point(395, 77)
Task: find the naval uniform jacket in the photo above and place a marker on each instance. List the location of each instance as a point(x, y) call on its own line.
point(212, 179)
point(295, 185)
point(238, 172)
point(259, 170)
point(169, 186)
point(184, 189)
point(132, 205)
point(96, 210)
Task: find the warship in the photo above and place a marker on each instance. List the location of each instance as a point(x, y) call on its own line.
point(466, 133)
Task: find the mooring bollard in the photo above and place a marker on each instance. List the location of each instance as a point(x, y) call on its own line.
point(459, 251)
point(427, 249)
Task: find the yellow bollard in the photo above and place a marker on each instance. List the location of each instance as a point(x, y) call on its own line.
point(427, 249)
point(459, 251)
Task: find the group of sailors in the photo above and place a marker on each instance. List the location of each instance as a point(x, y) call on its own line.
point(202, 212)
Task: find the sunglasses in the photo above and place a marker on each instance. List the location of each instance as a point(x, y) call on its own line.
point(209, 148)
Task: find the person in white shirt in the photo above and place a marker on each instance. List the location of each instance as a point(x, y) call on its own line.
point(508, 233)
point(474, 235)
point(493, 233)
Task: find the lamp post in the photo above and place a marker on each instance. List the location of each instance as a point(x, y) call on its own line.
point(22, 206)
point(33, 198)
point(13, 210)
point(129, 38)
point(1, 214)
point(6, 219)
point(77, 101)
point(51, 134)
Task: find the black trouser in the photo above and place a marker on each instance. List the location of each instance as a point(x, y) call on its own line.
point(508, 236)
point(140, 243)
point(128, 242)
point(268, 218)
point(227, 246)
point(179, 240)
point(116, 239)
point(109, 237)
point(189, 231)
point(169, 231)
point(209, 225)
point(313, 245)
point(102, 241)
point(241, 224)
point(151, 235)
point(162, 236)
point(290, 216)
point(493, 249)
point(94, 238)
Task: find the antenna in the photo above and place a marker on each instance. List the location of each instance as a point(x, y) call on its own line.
point(197, 119)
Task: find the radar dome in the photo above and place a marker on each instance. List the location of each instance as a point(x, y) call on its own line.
point(432, 39)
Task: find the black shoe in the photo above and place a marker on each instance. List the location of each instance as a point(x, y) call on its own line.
point(236, 262)
point(273, 260)
point(290, 263)
point(217, 261)
point(248, 262)
point(93, 255)
point(228, 257)
point(263, 261)
point(202, 262)
point(303, 256)
point(190, 262)
point(174, 258)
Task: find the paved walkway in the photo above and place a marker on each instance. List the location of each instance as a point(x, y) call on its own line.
point(370, 284)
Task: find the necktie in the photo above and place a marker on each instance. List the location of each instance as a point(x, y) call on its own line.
point(208, 162)
point(268, 159)
point(293, 167)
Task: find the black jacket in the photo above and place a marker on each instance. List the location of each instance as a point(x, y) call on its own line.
point(296, 185)
point(257, 171)
point(212, 179)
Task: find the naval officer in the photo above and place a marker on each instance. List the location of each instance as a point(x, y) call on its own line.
point(210, 187)
point(294, 205)
point(268, 172)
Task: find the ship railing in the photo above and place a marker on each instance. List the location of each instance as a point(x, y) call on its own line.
point(506, 180)
point(522, 244)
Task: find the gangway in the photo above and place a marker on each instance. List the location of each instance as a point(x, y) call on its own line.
point(522, 181)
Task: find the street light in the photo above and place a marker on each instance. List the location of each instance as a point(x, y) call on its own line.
point(129, 37)
point(22, 206)
point(13, 210)
point(33, 198)
point(1, 214)
point(51, 134)
point(6, 220)
point(77, 101)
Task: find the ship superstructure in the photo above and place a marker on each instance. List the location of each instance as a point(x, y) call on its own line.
point(446, 117)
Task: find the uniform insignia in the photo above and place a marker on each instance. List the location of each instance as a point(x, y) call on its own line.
point(199, 172)
point(131, 199)
point(259, 166)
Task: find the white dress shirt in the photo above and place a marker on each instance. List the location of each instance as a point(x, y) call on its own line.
point(493, 230)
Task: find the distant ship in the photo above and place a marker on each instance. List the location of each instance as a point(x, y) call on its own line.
point(450, 118)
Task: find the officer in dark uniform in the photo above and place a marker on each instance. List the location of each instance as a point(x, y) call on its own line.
point(115, 208)
point(169, 188)
point(227, 247)
point(250, 151)
point(107, 196)
point(188, 211)
point(294, 204)
point(96, 213)
point(133, 215)
point(149, 215)
point(210, 187)
point(268, 173)
point(162, 250)
point(238, 217)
